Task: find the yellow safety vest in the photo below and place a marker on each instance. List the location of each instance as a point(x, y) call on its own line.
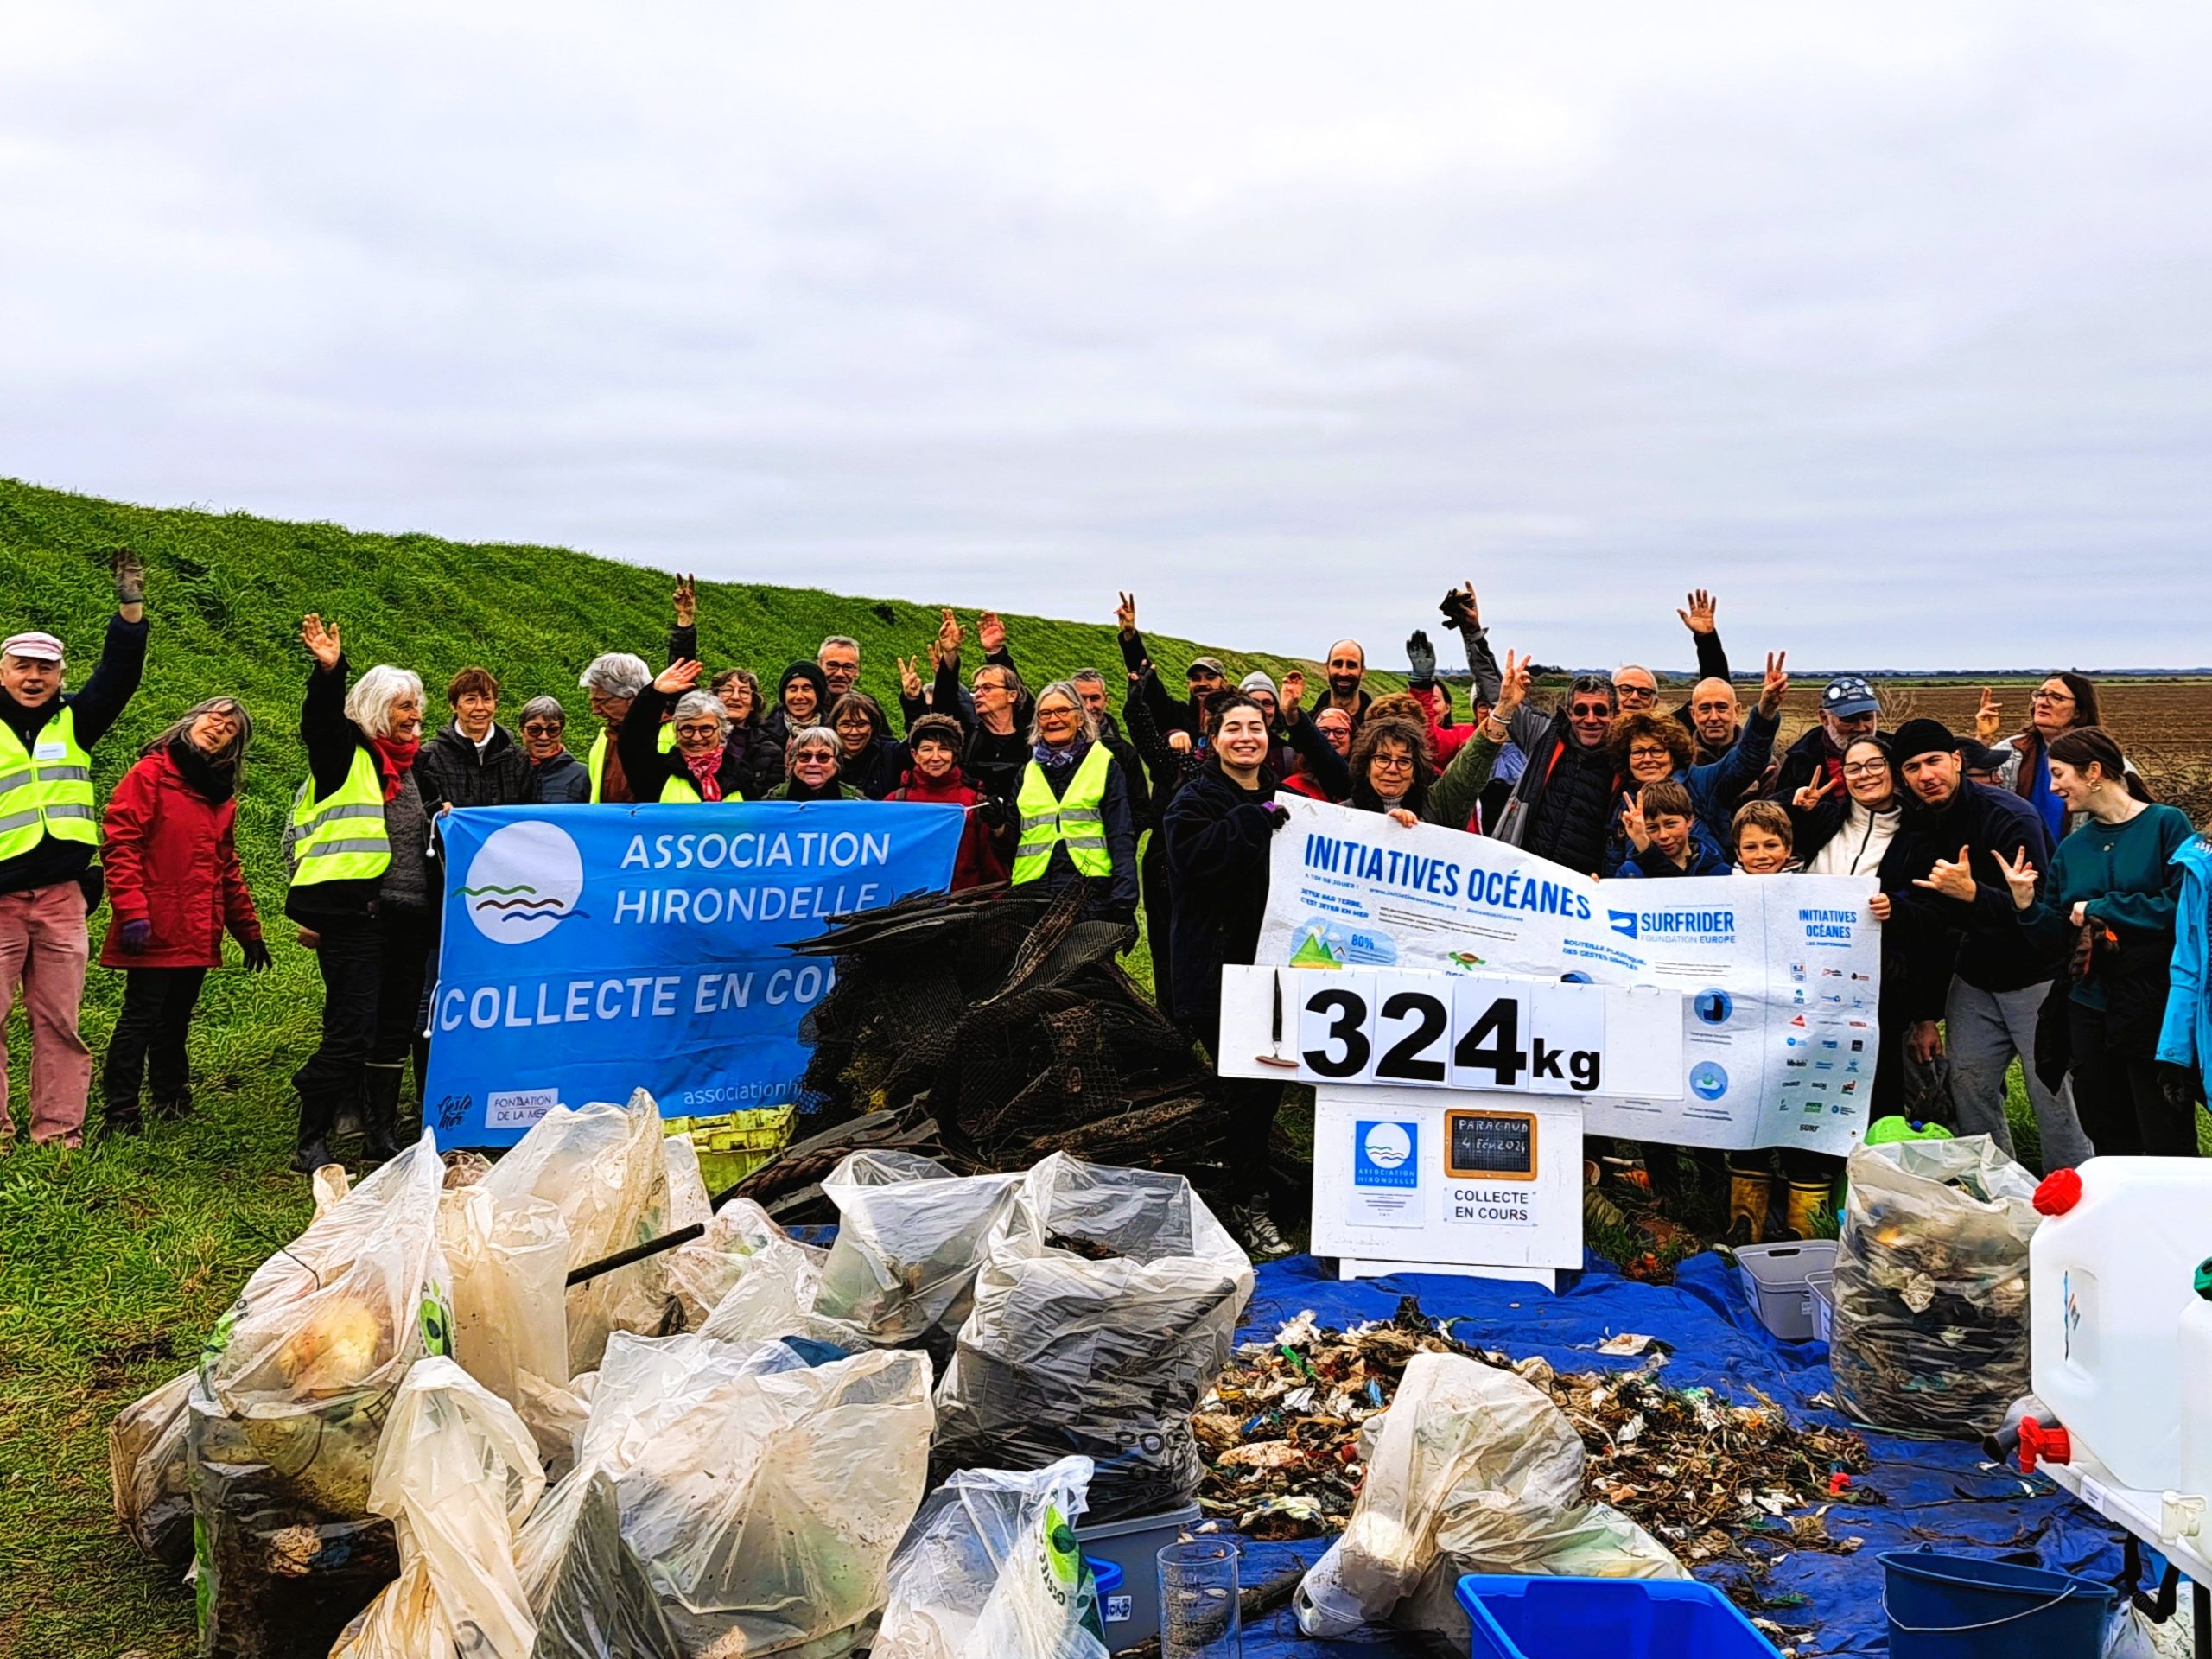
point(1075, 820)
point(342, 837)
point(48, 790)
point(680, 792)
point(595, 763)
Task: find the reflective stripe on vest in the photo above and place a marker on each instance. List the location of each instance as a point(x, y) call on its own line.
point(46, 790)
point(341, 837)
point(1073, 820)
point(595, 762)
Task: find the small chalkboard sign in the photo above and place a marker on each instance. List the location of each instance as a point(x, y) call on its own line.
point(1490, 1146)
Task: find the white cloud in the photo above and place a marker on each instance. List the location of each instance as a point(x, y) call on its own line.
point(1887, 324)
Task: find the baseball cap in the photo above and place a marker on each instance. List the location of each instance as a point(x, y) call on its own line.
point(1849, 695)
point(1207, 664)
point(44, 646)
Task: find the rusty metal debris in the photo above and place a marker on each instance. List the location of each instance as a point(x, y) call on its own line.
point(1716, 1480)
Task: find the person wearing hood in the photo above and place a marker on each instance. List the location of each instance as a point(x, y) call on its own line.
point(697, 766)
point(561, 780)
point(361, 887)
point(474, 760)
point(175, 887)
point(760, 757)
point(934, 778)
point(1956, 838)
point(1219, 830)
point(870, 759)
point(2108, 902)
point(1073, 809)
point(50, 825)
point(2185, 1034)
point(801, 700)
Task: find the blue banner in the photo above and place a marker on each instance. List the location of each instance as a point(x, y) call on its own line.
point(591, 951)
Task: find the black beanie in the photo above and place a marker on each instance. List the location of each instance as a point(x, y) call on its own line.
point(813, 674)
point(1917, 737)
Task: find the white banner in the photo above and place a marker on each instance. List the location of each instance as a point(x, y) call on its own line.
point(1779, 975)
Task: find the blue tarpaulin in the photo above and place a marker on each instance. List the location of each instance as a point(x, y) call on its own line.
point(1943, 1494)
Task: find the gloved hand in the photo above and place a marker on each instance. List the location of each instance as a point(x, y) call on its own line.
point(1423, 656)
point(130, 577)
point(1277, 815)
point(257, 956)
point(2182, 1085)
point(1458, 606)
point(136, 936)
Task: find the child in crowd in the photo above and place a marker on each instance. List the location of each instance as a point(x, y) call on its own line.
point(1762, 840)
point(1659, 820)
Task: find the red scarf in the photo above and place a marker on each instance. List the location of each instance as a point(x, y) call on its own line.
point(702, 771)
point(393, 759)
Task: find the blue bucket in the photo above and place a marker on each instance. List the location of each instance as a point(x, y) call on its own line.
point(1516, 1616)
point(1961, 1607)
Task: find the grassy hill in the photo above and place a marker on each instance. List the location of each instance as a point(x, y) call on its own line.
point(115, 1261)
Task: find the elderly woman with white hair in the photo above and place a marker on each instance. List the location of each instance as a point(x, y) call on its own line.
point(697, 766)
point(1074, 807)
point(361, 888)
point(611, 682)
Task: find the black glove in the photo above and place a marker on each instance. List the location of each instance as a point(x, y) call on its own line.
point(1454, 607)
point(1277, 815)
point(2182, 1085)
point(1423, 656)
point(256, 955)
point(135, 937)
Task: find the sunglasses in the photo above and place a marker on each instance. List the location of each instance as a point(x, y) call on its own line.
point(1590, 711)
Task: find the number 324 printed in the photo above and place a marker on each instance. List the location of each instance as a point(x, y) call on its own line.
point(1430, 1031)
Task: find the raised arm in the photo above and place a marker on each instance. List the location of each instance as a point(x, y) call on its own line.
point(1698, 617)
point(1463, 612)
point(123, 656)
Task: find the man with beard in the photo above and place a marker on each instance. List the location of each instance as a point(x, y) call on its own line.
point(1347, 670)
point(1849, 708)
point(1955, 831)
point(1563, 805)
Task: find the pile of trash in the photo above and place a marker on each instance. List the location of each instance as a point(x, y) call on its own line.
point(1004, 1018)
point(1931, 1286)
point(437, 1423)
point(1281, 1431)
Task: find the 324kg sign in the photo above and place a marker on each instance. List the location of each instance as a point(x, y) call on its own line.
point(1444, 1032)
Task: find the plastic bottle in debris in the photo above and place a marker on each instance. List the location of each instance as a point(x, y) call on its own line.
point(2109, 1281)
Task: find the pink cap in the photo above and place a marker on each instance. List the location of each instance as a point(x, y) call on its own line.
point(43, 645)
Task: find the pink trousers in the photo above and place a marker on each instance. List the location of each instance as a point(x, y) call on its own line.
point(42, 945)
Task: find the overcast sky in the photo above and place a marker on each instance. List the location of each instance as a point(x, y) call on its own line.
point(1892, 326)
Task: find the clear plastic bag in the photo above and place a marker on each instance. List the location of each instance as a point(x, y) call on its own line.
point(509, 1262)
point(456, 1476)
point(1471, 1469)
point(704, 1271)
point(309, 1356)
point(688, 1201)
point(774, 1297)
point(146, 1470)
point(764, 1495)
point(1107, 1305)
point(990, 1570)
point(1931, 1286)
point(595, 1600)
point(910, 1243)
point(603, 1166)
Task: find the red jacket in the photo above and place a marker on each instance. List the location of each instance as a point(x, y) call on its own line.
point(978, 861)
point(170, 860)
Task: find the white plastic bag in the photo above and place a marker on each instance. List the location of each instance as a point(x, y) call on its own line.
point(309, 1356)
point(764, 1496)
point(990, 1570)
point(910, 1242)
point(147, 1472)
point(774, 1297)
point(509, 1259)
point(456, 1474)
point(1107, 1305)
point(1471, 1469)
point(704, 1271)
point(602, 1165)
point(687, 1201)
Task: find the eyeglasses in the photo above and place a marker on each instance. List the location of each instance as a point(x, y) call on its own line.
point(1646, 752)
point(1392, 763)
point(1865, 768)
point(2050, 696)
point(692, 730)
point(540, 729)
point(1590, 711)
point(1637, 693)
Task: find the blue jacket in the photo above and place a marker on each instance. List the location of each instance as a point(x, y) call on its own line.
point(1705, 859)
point(2186, 1038)
point(1715, 788)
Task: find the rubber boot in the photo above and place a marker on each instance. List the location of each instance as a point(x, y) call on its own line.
point(316, 1115)
point(1747, 1202)
point(1804, 1209)
point(380, 1114)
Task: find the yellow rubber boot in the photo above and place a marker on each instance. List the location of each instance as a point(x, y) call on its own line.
point(1747, 1199)
point(1804, 1209)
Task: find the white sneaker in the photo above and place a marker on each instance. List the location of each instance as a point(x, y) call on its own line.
point(1257, 1231)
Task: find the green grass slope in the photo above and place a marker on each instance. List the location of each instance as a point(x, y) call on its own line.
point(115, 1261)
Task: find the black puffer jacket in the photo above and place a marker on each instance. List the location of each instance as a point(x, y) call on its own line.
point(1563, 805)
point(451, 772)
point(1218, 855)
point(757, 755)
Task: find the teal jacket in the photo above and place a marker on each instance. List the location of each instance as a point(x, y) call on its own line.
point(2186, 1038)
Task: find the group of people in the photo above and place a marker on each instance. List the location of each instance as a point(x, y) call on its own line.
point(2029, 887)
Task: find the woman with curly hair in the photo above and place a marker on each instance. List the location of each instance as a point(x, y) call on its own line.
point(1648, 748)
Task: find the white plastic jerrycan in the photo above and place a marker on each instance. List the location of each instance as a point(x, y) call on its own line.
point(2197, 1387)
point(2109, 1278)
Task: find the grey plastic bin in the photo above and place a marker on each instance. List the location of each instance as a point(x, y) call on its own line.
point(1134, 1546)
point(1822, 1286)
point(1774, 1278)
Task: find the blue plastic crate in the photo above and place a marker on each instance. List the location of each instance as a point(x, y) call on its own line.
point(1516, 1617)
